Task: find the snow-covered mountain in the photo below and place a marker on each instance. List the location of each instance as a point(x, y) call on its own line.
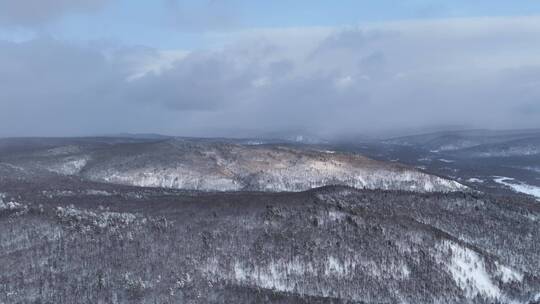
point(514, 148)
point(230, 167)
point(220, 166)
point(66, 220)
point(475, 143)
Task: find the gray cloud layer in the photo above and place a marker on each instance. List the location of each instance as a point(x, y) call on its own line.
point(202, 15)
point(471, 72)
point(38, 12)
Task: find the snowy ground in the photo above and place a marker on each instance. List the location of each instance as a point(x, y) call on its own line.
point(518, 186)
point(448, 161)
point(475, 180)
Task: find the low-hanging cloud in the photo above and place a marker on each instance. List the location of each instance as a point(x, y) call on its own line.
point(470, 72)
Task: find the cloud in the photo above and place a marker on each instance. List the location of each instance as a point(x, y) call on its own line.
point(203, 15)
point(480, 73)
point(50, 87)
point(351, 39)
point(29, 13)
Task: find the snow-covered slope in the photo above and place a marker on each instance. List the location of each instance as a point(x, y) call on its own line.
point(220, 166)
point(326, 246)
point(229, 167)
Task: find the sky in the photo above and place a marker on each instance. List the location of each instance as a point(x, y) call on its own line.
point(257, 68)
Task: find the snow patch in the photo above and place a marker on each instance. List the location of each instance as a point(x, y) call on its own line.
point(98, 192)
point(446, 160)
point(173, 178)
point(12, 206)
point(283, 275)
point(69, 165)
point(334, 267)
point(517, 186)
point(508, 274)
point(469, 272)
point(277, 275)
point(336, 216)
point(475, 180)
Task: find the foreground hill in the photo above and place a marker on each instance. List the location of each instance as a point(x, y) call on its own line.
point(96, 243)
point(221, 166)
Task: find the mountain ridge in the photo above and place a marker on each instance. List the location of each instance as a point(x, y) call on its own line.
point(225, 166)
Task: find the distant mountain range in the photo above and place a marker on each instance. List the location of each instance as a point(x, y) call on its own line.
point(472, 140)
point(478, 158)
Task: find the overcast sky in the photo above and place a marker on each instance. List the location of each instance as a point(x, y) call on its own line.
point(243, 68)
